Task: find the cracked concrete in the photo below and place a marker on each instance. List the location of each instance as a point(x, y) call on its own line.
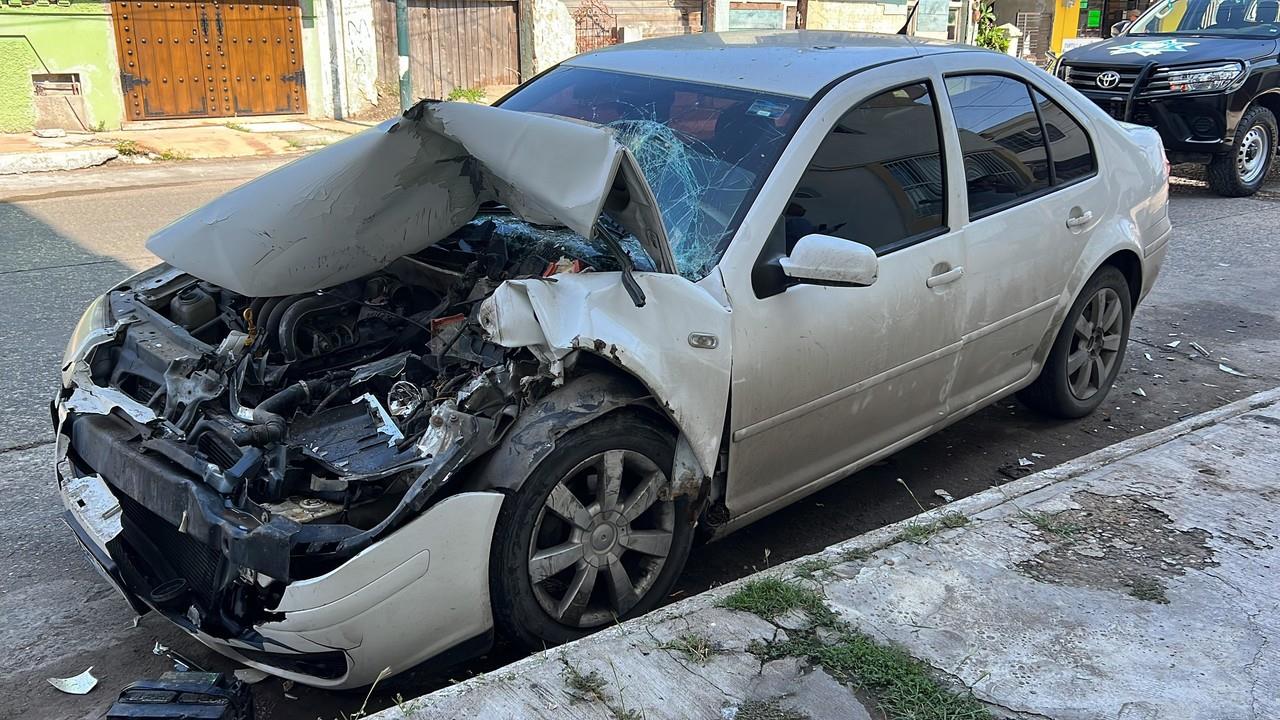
point(1031, 606)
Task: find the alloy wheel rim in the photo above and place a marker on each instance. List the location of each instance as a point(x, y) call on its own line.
point(1095, 344)
point(601, 539)
point(1251, 158)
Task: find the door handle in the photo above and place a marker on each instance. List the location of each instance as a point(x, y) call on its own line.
point(949, 276)
point(1080, 220)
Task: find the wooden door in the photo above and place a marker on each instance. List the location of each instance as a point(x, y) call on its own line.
point(207, 58)
point(264, 56)
point(161, 69)
point(453, 44)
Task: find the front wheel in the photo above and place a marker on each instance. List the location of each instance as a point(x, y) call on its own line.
point(1088, 351)
point(1242, 171)
point(591, 537)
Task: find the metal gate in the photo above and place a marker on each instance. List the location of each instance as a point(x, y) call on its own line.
point(595, 25)
point(453, 45)
point(209, 58)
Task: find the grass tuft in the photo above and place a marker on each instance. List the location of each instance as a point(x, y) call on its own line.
point(1054, 524)
point(771, 597)
point(811, 567)
point(129, 148)
point(920, 532)
point(471, 95)
point(170, 154)
point(694, 647)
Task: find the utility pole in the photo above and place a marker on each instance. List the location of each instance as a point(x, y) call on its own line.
point(402, 47)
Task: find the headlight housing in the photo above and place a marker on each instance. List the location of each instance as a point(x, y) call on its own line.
point(1209, 78)
point(95, 327)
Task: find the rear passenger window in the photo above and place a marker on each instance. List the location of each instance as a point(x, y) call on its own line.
point(877, 177)
point(1004, 152)
point(1068, 143)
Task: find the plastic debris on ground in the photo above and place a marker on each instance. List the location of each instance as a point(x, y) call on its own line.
point(76, 685)
point(1140, 392)
point(185, 696)
point(1173, 344)
point(1199, 348)
point(1230, 370)
point(250, 676)
point(946, 496)
point(1023, 462)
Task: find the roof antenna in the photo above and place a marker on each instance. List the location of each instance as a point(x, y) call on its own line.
point(907, 23)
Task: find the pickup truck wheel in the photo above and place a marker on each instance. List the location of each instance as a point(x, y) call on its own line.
point(1088, 352)
point(1242, 171)
point(590, 538)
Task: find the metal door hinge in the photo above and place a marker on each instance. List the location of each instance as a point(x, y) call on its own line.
point(129, 81)
point(295, 77)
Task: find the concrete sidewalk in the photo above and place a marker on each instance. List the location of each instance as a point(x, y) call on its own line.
point(1135, 583)
point(26, 153)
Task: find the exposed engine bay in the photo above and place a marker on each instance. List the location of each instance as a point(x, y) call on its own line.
point(322, 420)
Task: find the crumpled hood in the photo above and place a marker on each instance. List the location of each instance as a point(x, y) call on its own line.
point(352, 208)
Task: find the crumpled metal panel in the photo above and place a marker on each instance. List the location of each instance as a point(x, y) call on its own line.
point(593, 312)
point(352, 208)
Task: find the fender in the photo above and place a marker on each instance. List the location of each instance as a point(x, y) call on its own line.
point(677, 345)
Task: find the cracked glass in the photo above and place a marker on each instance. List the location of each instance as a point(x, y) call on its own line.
point(704, 149)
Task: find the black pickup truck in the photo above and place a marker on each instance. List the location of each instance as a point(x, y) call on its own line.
point(1203, 73)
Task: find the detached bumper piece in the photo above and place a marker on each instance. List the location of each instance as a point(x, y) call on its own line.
point(184, 696)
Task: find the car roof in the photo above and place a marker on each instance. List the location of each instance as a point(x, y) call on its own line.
point(798, 63)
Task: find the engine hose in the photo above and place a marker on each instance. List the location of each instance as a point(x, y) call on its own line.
point(268, 419)
point(292, 316)
point(271, 323)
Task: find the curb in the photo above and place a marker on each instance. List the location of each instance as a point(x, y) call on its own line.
point(877, 539)
point(32, 162)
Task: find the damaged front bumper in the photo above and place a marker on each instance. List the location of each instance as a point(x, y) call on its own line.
point(419, 593)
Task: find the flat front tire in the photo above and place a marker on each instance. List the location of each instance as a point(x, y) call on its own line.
point(1088, 351)
point(591, 537)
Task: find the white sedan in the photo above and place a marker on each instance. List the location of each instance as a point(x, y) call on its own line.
point(491, 370)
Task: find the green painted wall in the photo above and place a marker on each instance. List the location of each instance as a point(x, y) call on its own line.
point(64, 36)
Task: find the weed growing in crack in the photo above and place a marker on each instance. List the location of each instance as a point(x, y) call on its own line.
point(694, 647)
point(590, 687)
point(808, 568)
point(903, 687)
point(1054, 524)
point(767, 710)
point(855, 555)
point(920, 532)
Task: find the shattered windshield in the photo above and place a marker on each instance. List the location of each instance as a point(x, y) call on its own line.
point(704, 149)
point(1239, 18)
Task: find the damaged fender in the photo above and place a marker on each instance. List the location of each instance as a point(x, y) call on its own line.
point(678, 345)
point(352, 208)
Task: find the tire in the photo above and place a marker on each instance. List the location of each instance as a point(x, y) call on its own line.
point(1059, 390)
point(1244, 169)
point(524, 606)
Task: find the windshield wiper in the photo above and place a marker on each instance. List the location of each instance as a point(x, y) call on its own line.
point(613, 241)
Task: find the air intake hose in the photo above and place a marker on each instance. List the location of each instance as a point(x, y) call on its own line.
point(268, 417)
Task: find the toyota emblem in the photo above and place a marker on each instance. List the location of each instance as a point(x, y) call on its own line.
point(1108, 79)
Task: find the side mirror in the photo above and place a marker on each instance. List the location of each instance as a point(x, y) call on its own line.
point(1120, 27)
point(826, 260)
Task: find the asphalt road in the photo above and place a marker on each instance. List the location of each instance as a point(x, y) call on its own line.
point(67, 237)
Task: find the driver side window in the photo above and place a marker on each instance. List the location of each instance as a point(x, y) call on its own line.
point(878, 176)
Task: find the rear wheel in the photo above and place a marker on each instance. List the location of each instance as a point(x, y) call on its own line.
point(1088, 351)
point(1243, 170)
point(590, 538)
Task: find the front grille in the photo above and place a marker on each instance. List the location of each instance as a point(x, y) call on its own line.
point(1085, 78)
point(149, 534)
